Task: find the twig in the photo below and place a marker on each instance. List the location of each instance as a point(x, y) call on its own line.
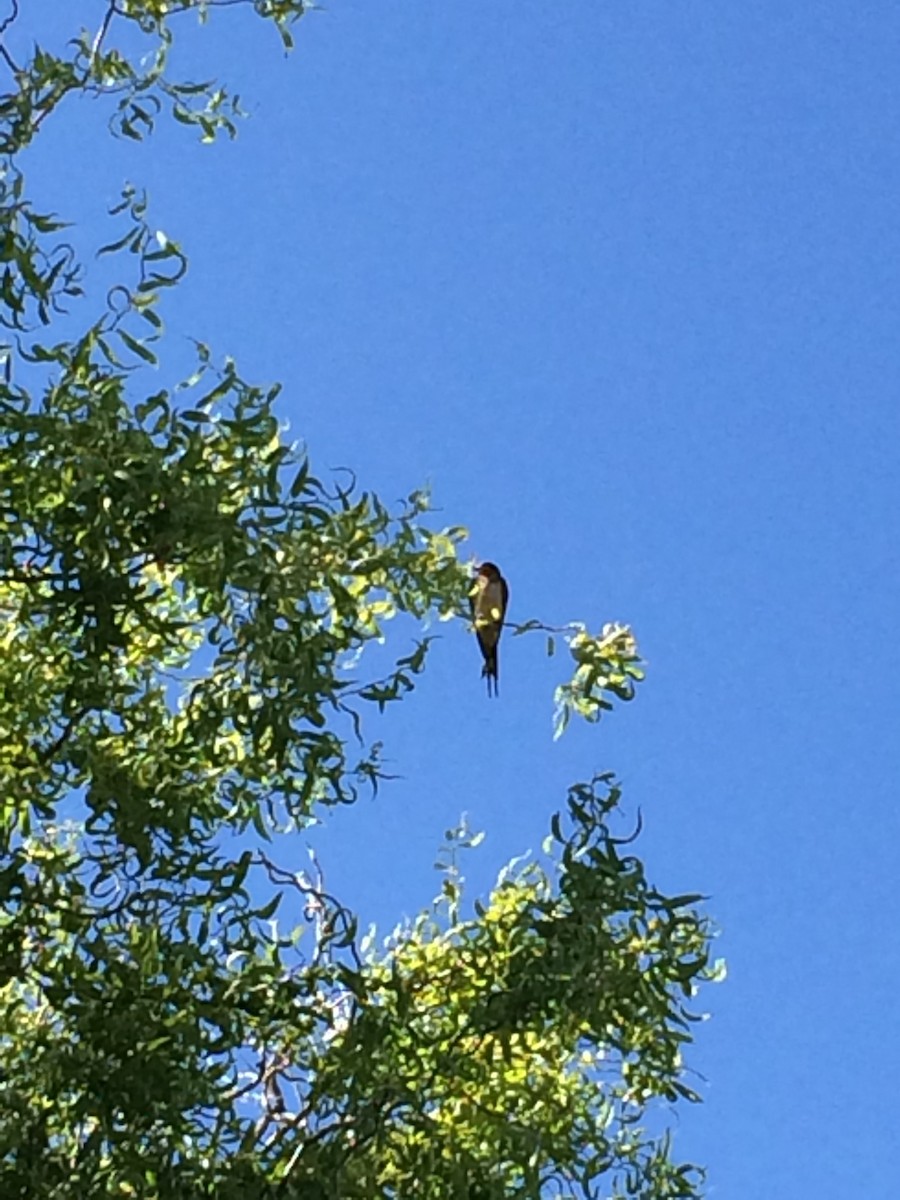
point(102, 32)
point(4, 25)
point(45, 755)
point(321, 907)
point(13, 16)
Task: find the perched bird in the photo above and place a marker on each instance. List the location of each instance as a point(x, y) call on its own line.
point(488, 598)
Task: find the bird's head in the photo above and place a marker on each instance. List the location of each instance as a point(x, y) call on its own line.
point(489, 571)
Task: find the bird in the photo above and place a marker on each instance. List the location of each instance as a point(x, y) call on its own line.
point(488, 600)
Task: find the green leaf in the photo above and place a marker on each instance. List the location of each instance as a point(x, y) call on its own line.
point(299, 483)
point(137, 347)
point(268, 910)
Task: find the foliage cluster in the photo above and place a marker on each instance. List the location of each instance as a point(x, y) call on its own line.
point(179, 594)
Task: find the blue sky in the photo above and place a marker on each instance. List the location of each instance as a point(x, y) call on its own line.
point(622, 283)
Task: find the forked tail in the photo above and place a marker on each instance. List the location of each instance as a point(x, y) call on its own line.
point(491, 671)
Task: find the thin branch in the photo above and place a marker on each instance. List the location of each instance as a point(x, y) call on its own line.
point(13, 16)
point(321, 907)
point(242, 1089)
point(539, 626)
point(8, 59)
point(102, 32)
point(4, 26)
point(49, 752)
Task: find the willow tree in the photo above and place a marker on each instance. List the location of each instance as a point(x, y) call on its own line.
point(179, 589)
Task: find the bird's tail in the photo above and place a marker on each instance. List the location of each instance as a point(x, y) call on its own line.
point(491, 672)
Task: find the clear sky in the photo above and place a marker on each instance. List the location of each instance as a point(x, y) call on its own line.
point(622, 283)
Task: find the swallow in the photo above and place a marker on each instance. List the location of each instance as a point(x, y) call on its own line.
point(488, 600)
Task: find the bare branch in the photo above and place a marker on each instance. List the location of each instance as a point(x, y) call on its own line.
point(13, 16)
point(102, 32)
point(4, 26)
point(322, 908)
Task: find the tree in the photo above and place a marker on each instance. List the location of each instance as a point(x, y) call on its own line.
point(178, 590)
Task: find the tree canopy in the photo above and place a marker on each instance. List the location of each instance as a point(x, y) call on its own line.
point(179, 590)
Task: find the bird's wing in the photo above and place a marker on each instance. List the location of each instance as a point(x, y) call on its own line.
point(485, 603)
